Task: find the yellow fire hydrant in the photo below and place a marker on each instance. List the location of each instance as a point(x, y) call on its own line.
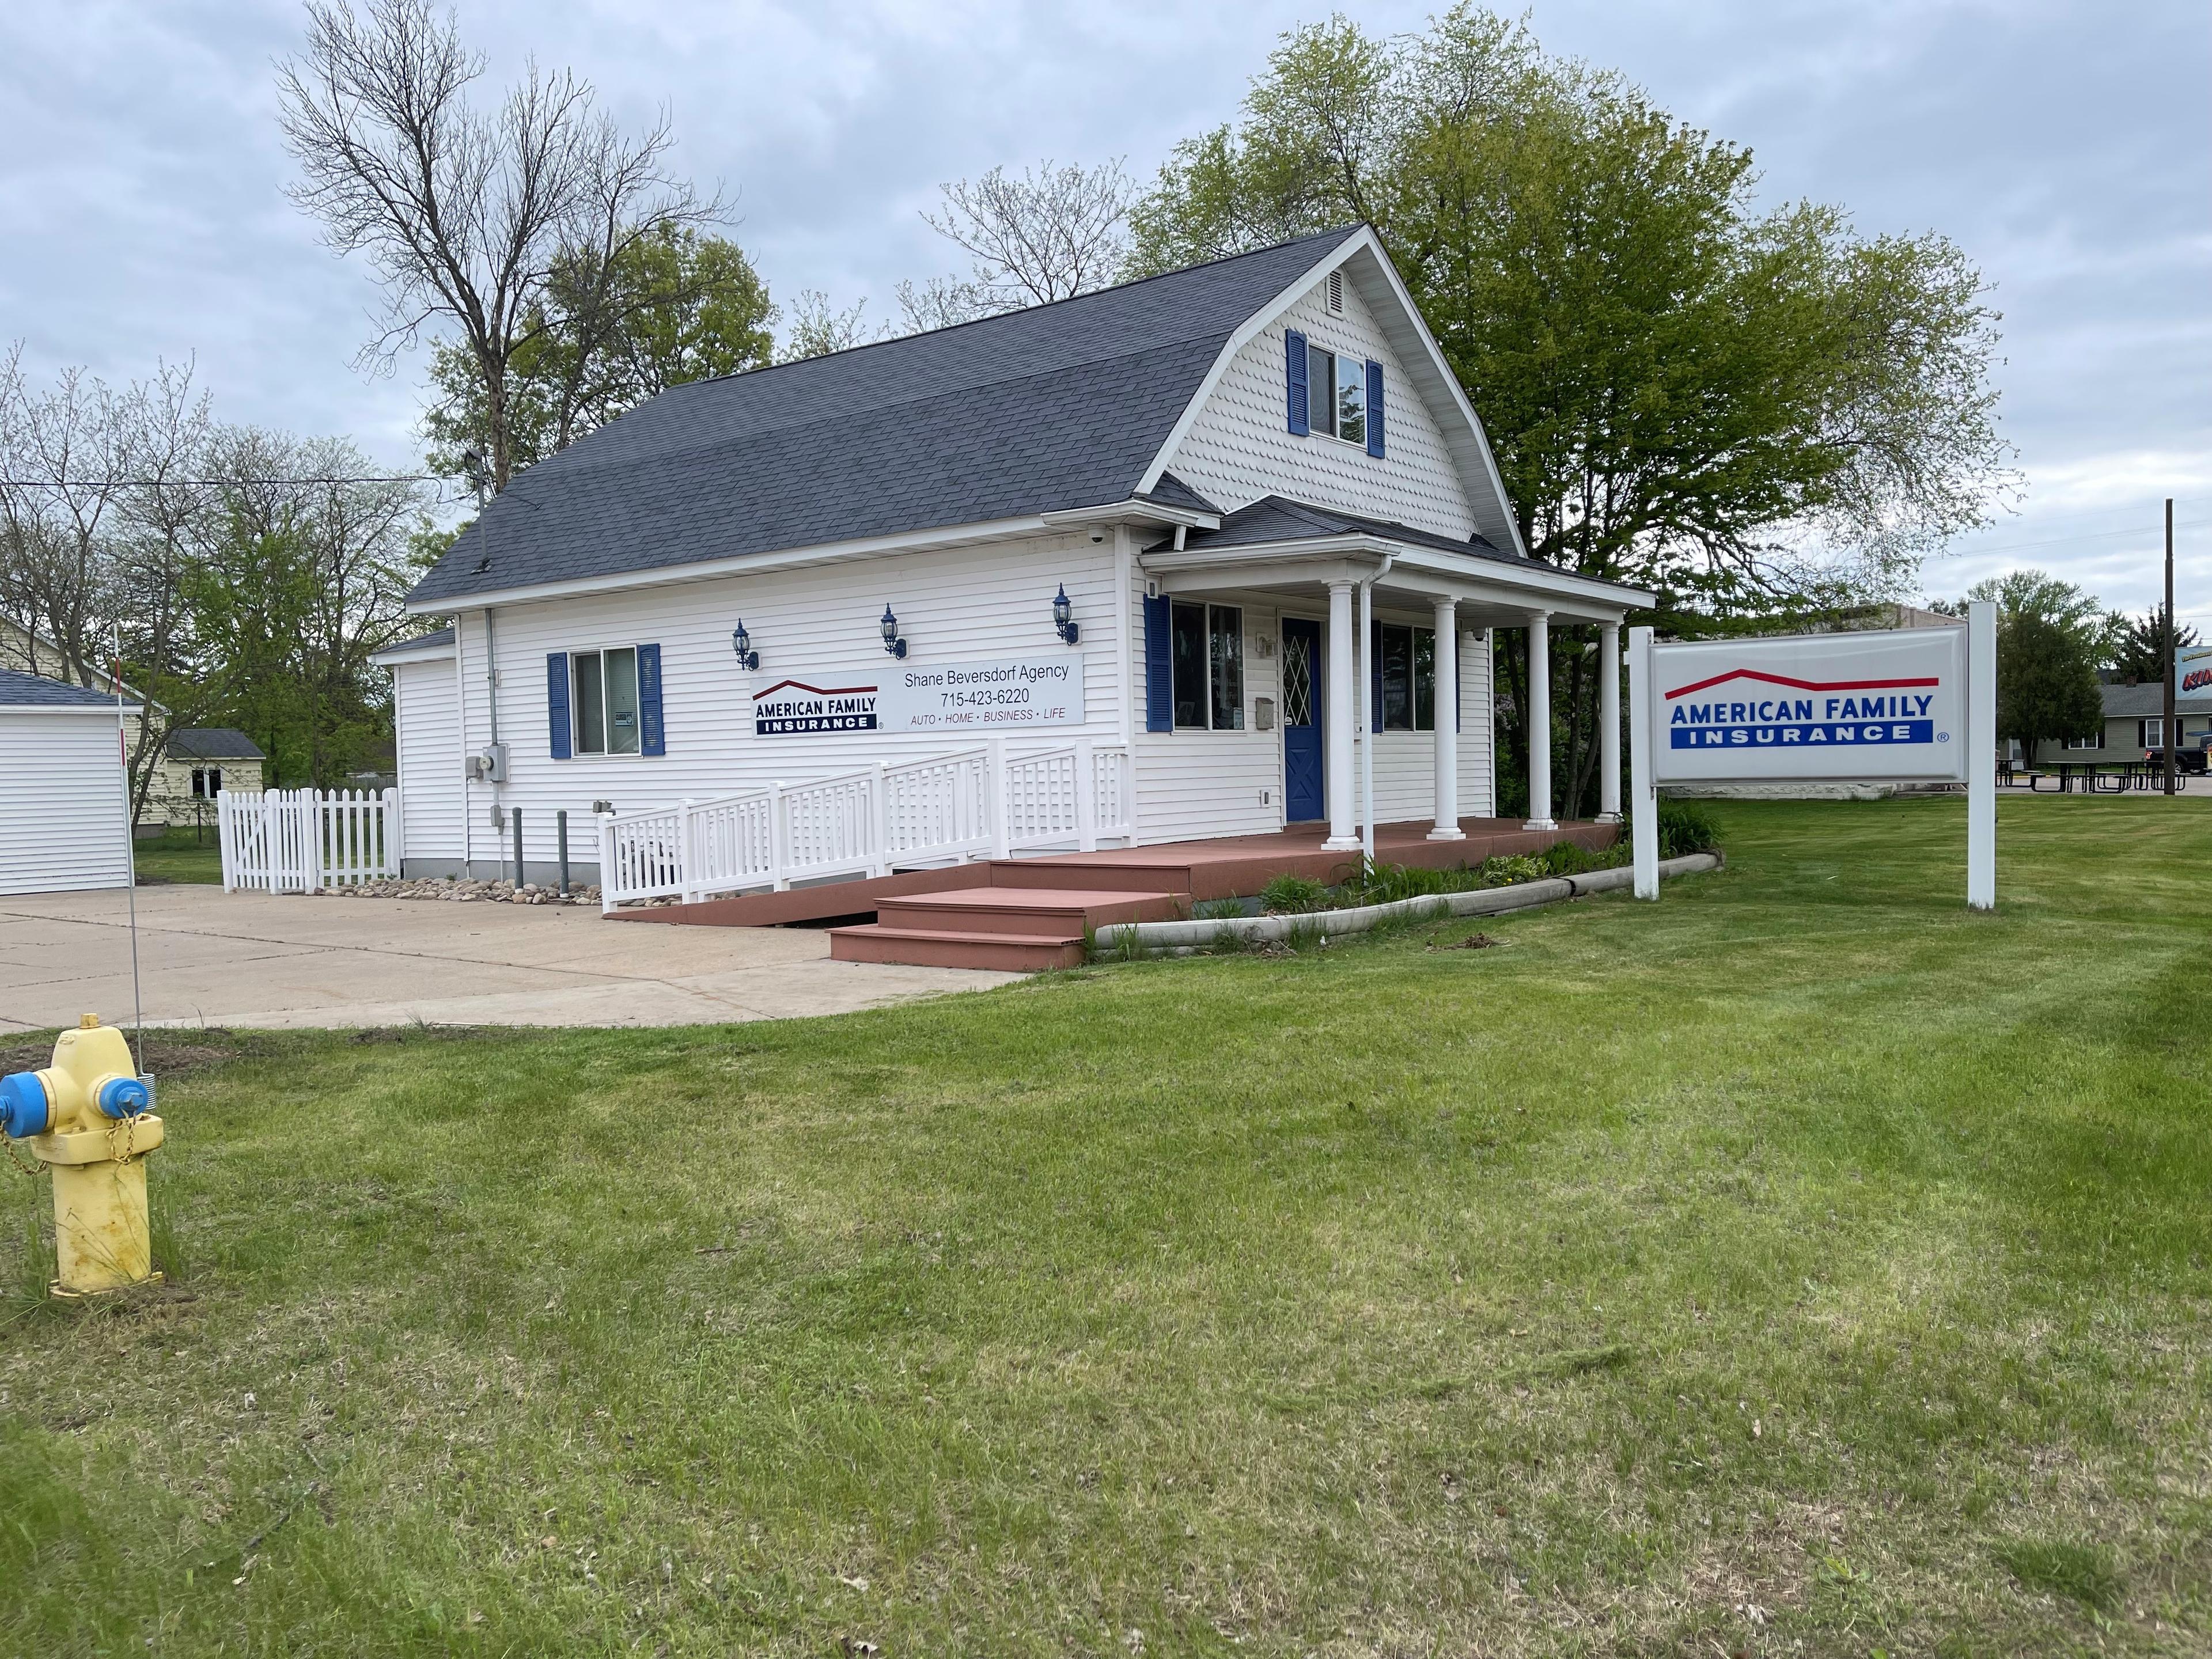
point(90, 1115)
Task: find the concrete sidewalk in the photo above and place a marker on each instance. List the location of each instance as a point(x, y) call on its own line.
point(216, 958)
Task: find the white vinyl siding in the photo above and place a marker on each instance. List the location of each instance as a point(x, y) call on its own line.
point(423, 700)
point(818, 625)
point(61, 815)
point(1240, 448)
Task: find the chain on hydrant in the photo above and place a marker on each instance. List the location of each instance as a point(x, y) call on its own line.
point(90, 1117)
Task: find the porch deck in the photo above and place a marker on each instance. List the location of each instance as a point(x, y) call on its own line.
point(1173, 874)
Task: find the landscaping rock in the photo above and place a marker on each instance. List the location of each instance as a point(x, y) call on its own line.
point(465, 890)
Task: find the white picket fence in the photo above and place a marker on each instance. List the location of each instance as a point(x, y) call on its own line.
point(301, 841)
point(975, 802)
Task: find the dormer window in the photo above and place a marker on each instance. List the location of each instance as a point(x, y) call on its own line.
point(1336, 390)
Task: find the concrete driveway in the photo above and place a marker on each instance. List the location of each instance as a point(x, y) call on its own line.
point(216, 958)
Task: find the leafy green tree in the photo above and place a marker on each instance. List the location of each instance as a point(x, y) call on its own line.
point(2050, 636)
point(1738, 409)
point(2141, 648)
point(672, 306)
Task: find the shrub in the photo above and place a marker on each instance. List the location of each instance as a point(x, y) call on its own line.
point(1292, 895)
point(1685, 828)
point(1217, 910)
point(1505, 869)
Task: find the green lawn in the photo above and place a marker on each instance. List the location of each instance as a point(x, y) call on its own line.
point(1801, 1265)
point(177, 856)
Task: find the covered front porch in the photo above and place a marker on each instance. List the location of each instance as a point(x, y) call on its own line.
point(1372, 617)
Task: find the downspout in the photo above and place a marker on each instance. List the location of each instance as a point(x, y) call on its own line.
point(461, 729)
point(1366, 712)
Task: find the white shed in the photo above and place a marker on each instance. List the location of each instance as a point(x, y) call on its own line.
point(61, 808)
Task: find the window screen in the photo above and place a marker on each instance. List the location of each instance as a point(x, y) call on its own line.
point(605, 709)
point(1189, 653)
point(1321, 389)
point(1407, 659)
point(1225, 633)
point(591, 705)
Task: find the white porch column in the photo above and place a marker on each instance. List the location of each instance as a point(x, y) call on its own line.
point(1608, 720)
point(1337, 693)
point(1540, 723)
point(1447, 724)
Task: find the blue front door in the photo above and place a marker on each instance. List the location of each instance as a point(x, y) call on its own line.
point(1302, 797)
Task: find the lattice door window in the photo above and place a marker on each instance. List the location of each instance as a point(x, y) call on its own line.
point(1298, 682)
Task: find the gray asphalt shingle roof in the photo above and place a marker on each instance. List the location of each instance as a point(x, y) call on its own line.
point(1278, 519)
point(21, 690)
point(1040, 411)
point(213, 743)
point(2146, 699)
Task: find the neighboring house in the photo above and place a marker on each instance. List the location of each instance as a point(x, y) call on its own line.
point(199, 763)
point(2135, 720)
point(62, 813)
point(1212, 465)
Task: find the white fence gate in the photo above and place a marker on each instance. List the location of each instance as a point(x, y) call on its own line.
point(973, 803)
point(301, 841)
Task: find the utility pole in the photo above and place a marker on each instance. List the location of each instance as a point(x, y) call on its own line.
point(2166, 727)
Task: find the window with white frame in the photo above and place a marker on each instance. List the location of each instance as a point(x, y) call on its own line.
point(1208, 659)
point(1406, 658)
point(2151, 733)
point(2093, 740)
point(1336, 394)
point(603, 705)
point(207, 782)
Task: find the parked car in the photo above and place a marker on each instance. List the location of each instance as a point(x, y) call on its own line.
point(2184, 760)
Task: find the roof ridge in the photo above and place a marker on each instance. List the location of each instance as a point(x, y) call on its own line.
point(1341, 232)
point(843, 416)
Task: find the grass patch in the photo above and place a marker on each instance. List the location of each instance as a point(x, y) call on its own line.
point(178, 855)
point(2083, 1572)
point(1748, 1272)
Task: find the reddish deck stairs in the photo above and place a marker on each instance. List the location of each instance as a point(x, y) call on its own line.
point(1023, 914)
point(1018, 929)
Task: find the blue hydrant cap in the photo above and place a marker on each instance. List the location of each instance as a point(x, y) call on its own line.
point(23, 1109)
point(125, 1097)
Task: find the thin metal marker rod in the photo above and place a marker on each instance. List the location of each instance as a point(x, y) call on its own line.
point(130, 860)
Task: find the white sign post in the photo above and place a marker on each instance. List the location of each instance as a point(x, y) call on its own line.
point(1915, 705)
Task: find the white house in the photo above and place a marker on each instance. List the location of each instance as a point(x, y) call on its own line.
point(62, 811)
point(1220, 468)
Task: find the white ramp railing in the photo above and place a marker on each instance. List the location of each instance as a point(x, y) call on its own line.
point(974, 803)
point(302, 841)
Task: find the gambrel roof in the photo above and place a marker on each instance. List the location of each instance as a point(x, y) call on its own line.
point(1056, 408)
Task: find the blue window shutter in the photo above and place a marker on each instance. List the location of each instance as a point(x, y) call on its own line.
point(1374, 408)
point(652, 735)
point(1159, 667)
point(557, 703)
point(1375, 678)
point(1295, 363)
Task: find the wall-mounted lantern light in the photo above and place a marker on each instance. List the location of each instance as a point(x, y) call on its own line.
point(892, 642)
point(1062, 615)
point(742, 643)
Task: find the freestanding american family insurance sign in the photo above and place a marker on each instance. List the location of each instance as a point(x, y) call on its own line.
point(1918, 704)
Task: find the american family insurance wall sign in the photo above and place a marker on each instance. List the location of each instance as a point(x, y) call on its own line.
point(965, 699)
point(1819, 706)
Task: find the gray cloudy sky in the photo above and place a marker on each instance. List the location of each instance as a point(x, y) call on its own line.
point(2066, 147)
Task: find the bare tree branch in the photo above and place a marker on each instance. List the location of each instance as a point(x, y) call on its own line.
point(1050, 235)
point(465, 217)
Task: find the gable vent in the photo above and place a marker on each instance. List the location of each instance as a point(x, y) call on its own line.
point(1336, 292)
